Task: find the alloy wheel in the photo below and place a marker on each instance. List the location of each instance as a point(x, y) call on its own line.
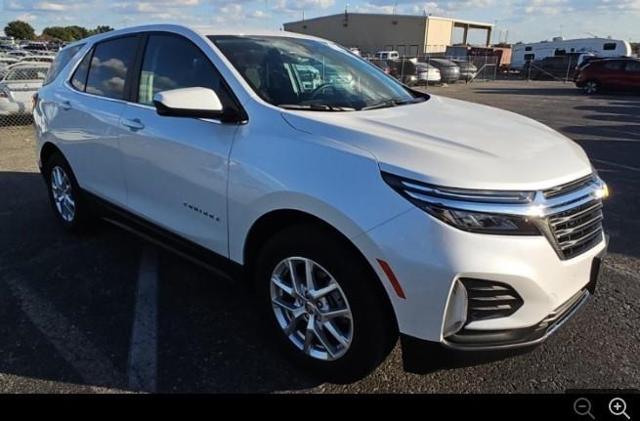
point(62, 192)
point(591, 88)
point(311, 308)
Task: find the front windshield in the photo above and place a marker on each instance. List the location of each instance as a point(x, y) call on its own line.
point(309, 74)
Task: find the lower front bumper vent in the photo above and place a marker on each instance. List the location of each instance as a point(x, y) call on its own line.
point(490, 300)
point(471, 340)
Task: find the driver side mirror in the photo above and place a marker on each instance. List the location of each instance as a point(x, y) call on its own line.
point(188, 102)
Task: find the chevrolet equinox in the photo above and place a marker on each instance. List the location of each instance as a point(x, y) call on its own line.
point(358, 208)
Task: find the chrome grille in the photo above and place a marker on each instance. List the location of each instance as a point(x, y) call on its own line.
point(570, 187)
point(489, 299)
point(578, 229)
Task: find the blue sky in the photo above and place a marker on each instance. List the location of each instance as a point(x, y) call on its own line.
point(525, 20)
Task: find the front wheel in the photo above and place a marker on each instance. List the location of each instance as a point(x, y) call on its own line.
point(324, 307)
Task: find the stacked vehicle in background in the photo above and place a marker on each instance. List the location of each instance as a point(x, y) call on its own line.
point(22, 71)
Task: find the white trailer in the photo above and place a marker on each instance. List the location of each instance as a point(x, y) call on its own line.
point(601, 47)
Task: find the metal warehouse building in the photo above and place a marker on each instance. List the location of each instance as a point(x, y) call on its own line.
point(410, 35)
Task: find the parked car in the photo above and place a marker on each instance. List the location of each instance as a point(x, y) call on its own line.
point(38, 58)
point(343, 204)
point(387, 55)
point(17, 54)
point(18, 86)
point(427, 74)
point(6, 61)
point(403, 69)
point(468, 70)
point(449, 71)
point(614, 74)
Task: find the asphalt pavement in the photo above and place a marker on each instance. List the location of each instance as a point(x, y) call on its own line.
point(74, 311)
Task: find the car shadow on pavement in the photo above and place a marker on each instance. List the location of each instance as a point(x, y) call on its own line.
point(67, 307)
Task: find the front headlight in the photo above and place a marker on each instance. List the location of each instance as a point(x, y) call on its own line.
point(462, 208)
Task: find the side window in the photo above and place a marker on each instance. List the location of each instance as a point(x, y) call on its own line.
point(633, 66)
point(529, 57)
point(109, 66)
point(610, 46)
point(613, 65)
point(528, 48)
point(172, 62)
point(61, 60)
point(79, 79)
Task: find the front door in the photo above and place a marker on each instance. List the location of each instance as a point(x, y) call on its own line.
point(176, 167)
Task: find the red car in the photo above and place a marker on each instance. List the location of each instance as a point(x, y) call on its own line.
point(615, 74)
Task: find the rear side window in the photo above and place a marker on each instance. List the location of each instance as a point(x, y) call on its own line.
point(613, 65)
point(109, 66)
point(610, 46)
point(61, 60)
point(79, 79)
point(172, 62)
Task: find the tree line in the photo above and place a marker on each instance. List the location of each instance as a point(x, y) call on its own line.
point(22, 30)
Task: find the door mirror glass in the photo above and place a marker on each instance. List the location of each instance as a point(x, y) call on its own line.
point(188, 102)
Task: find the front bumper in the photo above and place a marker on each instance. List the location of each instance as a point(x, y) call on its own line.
point(428, 257)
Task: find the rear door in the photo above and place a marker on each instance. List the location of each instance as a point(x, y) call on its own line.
point(632, 74)
point(176, 167)
point(85, 116)
point(613, 74)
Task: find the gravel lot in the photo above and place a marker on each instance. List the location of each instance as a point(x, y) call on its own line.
point(67, 303)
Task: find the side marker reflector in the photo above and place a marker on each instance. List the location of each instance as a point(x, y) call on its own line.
point(392, 278)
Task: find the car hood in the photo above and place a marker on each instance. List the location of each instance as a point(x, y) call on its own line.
point(455, 143)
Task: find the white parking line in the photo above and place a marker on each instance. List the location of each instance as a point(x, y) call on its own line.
point(92, 365)
point(615, 164)
point(143, 351)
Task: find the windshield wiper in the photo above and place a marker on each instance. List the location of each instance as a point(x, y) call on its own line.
point(388, 103)
point(315, 107)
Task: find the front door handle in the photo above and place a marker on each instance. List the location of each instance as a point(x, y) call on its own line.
point(65, 105)
point(134, 124)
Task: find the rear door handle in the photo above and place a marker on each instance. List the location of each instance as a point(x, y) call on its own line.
point(134, 124)
point(65, 105)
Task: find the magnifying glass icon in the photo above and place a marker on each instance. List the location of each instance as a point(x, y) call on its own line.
point(582, 406)
point(618, 407)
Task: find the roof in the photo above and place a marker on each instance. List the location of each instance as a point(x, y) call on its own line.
point(419, 17)
point(200, 30)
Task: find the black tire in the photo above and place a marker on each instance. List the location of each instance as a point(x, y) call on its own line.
point(82, 216)
point(374, 325)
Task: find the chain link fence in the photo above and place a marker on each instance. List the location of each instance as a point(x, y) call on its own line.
point(559, 68)
point(19, 82)
point(429, 70)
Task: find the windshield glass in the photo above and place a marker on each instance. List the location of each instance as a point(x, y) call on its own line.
point(309, 74)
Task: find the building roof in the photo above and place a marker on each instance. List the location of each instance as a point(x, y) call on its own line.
point(421, 17)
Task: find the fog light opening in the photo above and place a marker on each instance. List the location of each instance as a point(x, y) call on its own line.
point(456, 314)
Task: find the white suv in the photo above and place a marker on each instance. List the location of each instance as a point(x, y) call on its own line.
point(359, 208)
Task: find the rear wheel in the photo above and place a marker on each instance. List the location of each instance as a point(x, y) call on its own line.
point(591, 87)
point(323, 305)
point(65, 195)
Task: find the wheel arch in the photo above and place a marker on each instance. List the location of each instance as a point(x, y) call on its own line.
point(275, 221)
point(47, 151)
